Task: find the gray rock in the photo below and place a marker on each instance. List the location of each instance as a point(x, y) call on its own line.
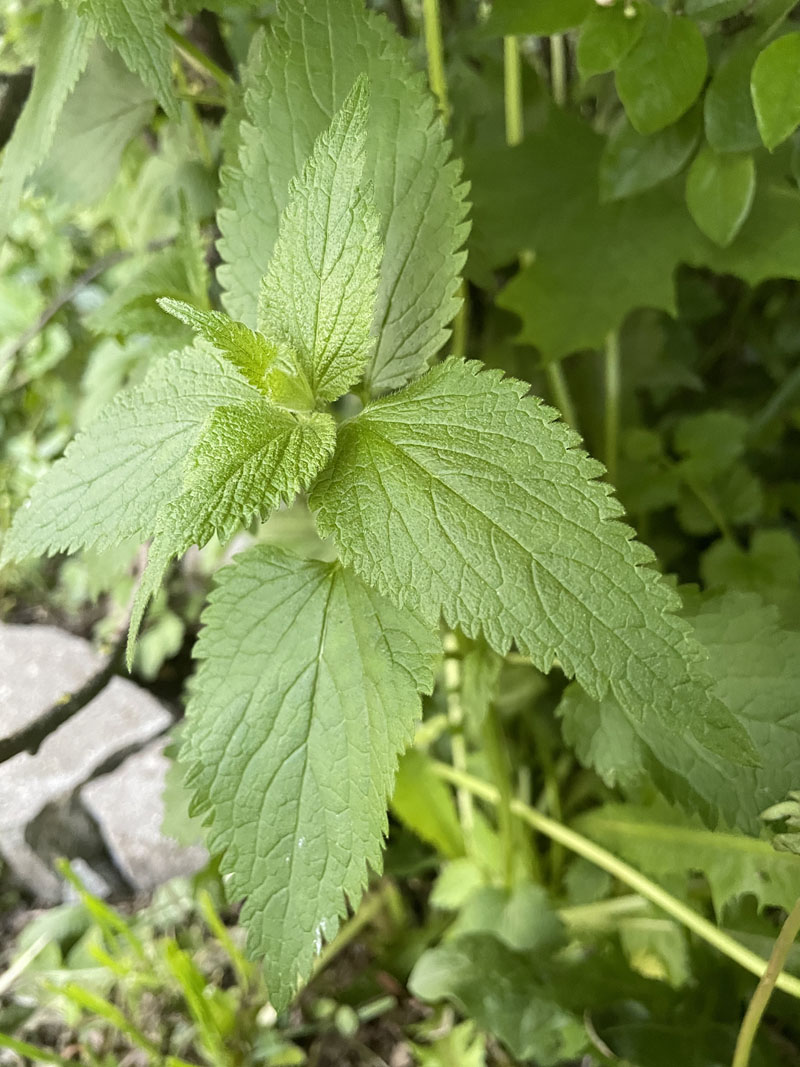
point(127, 805)
point(38, 664)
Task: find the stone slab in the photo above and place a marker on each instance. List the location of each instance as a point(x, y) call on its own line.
point(127, 805)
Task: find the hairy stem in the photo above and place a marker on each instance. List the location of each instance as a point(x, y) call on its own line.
point(626, 874)
point(760, 998)
point(612, 369)
point(432, 25)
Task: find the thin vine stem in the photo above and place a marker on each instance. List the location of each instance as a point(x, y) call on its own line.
point(613, 380)
point(626, 874)
point(763, 991)
point(432, 26)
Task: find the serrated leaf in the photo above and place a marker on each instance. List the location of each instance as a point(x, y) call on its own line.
point(63, 52)
point(136, 30)
point(541, 17)
point(606, 37)
point(116, 475)
point(719, 193)
point(318, 295)
point(661, 76)
point(775, 85)
point(632, 163)
point(755, 664)
point(107, 108)
point(250, 352)
point(664, 843)
point(297, 77)
point(306, 694)
point(248, 459)
point(730, 120)
point(464, 499)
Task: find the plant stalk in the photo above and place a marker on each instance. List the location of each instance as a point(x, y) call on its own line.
point(455, 717)
point(432, 26)
point(512, 81)
point(559, 389)
point(199, 60)
point(558, 69)
point(613, 378)
point(763, 991)
point(607, 861)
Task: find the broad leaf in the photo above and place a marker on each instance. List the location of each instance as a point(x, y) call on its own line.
point(506, 992)
point(663, 844)
point(460, 497)
point(248, 459)
point(543, 196)
point(307, 693)
point(319, 292)
point(661, 76)
point(730, 120)
point(606, 37)
point(775, 86)
point(108, 107)
point(115, 477)
point(135, 29)
point(536, 16)
point(297, 78)
point(63, 53)
point(756, 669)
point(632, 163)
point(719, 193)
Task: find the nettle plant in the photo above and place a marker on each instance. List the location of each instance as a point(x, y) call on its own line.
point(456, 501)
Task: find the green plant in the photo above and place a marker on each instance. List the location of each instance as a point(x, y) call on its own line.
point(447, 493)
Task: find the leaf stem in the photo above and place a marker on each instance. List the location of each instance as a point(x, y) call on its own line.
point(432, 25)
point(455, 717)
point(612, 370)
point(199, 60)
point(558, 69)
point(512, 82)
point(634, 879)
point(763, 991)
point(559, 388)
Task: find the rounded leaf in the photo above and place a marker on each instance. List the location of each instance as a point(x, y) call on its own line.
point(541, 17)
point(775, 87)
point(632, 163)
point(719, 193)
point(607, 36)
point(730, 120)
point(662, 75)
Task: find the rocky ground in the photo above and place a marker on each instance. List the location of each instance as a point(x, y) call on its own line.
point(92, 790)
